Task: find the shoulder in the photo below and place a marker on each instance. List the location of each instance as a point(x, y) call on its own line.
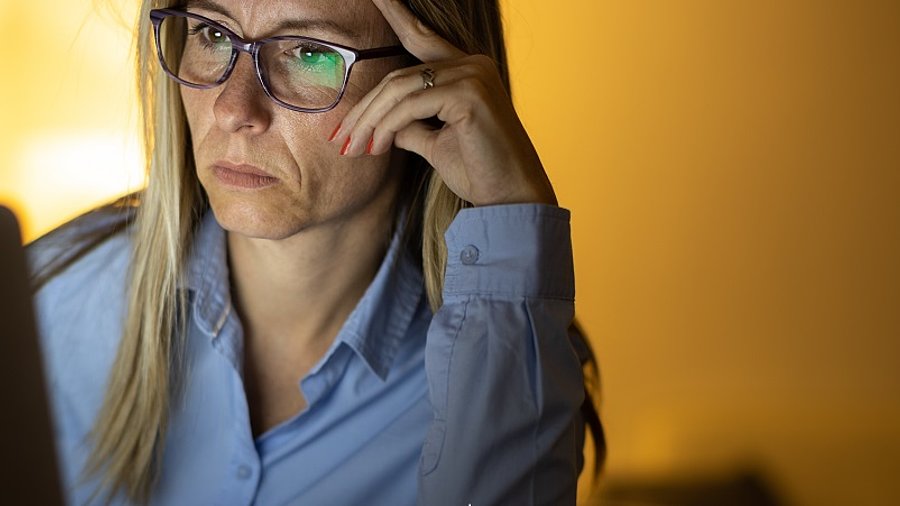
point(82, 255)
point(66, 244)
point(80, 271)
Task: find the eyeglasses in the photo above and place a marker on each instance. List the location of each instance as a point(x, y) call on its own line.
point(299, 73)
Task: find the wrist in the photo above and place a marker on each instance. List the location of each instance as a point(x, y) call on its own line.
point(528, 195)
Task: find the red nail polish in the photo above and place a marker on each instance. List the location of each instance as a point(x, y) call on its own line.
point(336, 130)
point(346, 147)
point(370, 146)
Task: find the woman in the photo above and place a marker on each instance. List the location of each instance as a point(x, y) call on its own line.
point(324, 295)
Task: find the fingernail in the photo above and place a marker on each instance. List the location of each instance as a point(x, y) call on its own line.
point(370, 146)
point(346, 147)
point(336, 130)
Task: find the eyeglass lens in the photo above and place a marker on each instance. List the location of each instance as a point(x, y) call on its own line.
point(298, 71)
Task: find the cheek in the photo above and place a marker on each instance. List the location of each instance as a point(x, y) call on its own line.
point(197, 111)
point(338, 182)
point(329, 181)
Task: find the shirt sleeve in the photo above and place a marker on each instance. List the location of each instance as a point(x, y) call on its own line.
point(504, 379)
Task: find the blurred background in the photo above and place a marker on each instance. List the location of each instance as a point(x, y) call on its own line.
point(733, 169)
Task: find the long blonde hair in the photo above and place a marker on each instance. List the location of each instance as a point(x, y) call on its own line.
point(129, 432)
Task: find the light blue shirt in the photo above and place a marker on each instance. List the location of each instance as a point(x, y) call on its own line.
point(476, 404)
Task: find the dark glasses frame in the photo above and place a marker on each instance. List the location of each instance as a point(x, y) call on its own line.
point(252, 47)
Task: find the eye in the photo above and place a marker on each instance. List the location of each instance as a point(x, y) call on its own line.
point(210, 35)
point(298, 66)
point(310, 57)
point(314, 57)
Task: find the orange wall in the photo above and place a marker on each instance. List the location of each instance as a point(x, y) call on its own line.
point(67, 119)
point(733, 169)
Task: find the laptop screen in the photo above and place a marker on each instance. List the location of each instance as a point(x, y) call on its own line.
point(28, 471)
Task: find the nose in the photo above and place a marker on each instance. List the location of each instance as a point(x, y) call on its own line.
point(242, 104)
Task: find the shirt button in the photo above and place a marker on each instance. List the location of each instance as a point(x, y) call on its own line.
point(469, 255)
point(244, 472)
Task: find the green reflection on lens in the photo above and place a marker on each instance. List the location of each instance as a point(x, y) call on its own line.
point(318, 66)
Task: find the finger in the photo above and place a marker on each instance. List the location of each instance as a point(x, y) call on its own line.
point(446, 102)
point(349, 121)
point(416, 36)
point(419, 138)
point(391, 94)
point(342, 136)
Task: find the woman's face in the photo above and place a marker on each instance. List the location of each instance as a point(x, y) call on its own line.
point(236, 123)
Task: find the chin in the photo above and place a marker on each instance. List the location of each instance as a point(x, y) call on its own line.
point(259, 220)
point(273, 212)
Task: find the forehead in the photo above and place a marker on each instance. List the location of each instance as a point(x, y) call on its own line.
point(353, 21)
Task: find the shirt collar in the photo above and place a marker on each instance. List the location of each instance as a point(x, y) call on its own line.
point(375, 327)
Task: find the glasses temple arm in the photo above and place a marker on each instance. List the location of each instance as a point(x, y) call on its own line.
point(381, 52)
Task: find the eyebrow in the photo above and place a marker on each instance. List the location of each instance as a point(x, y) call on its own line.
point(297, 24)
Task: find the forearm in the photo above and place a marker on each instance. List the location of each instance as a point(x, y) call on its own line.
point(504, 380)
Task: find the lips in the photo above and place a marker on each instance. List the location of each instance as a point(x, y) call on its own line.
point(243, 176)
point(243, 168)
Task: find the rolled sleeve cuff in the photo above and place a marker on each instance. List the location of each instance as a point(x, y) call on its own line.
point(518, 250)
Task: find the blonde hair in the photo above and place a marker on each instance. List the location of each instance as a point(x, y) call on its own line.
point(129, 432)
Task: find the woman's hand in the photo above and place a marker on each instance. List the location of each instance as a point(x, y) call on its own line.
point(482, 152)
